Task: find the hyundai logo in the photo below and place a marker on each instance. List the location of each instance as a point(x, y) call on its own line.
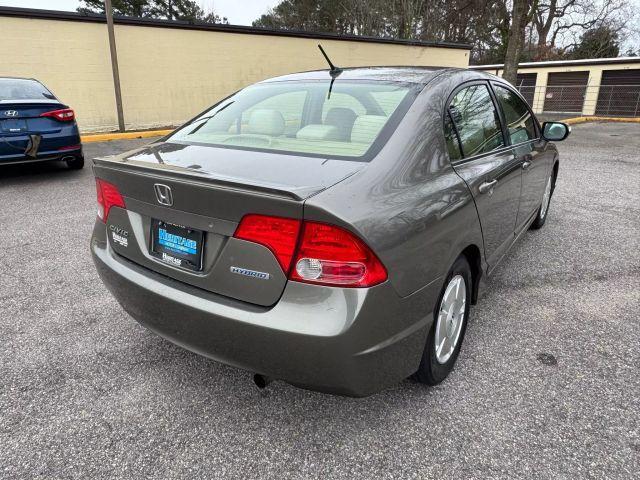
point(11, 113)
point(163, 194)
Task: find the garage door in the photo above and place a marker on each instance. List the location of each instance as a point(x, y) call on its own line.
point(619, 93)
point(526, 84)
point(565, 92)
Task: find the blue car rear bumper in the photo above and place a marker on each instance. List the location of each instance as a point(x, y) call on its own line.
point(64, 145)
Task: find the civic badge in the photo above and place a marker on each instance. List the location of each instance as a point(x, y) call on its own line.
point(163, 194)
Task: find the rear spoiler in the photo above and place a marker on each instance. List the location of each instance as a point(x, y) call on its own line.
point(164, 171)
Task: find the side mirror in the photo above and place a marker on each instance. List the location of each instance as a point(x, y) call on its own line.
point(555, 131)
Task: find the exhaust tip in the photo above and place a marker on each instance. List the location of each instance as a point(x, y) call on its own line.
point(68, 158)
point(261, 381)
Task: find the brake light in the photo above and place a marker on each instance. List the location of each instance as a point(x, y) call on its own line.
point(326, 254)
point(108, 196)
point(276, 233)
point(330, 255)
point(63, 115)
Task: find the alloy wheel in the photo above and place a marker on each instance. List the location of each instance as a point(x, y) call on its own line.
point(451, 316)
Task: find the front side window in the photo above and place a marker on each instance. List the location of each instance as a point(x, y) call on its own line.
point(476, 120)
point(519, 120)
point(300, 117)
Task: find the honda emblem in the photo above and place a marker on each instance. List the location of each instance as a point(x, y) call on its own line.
point(163, 194)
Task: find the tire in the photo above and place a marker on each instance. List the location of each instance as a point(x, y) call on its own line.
point(543, 210)
point(436, 363)
point(76, 164)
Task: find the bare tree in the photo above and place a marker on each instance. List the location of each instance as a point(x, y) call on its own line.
point(520, 16)
point(553, 18)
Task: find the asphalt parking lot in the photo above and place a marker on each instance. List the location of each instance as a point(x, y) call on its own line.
point(547, 384)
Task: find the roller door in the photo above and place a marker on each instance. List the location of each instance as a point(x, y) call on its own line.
point(566, 91)
point(619, 93)
point(526, 84)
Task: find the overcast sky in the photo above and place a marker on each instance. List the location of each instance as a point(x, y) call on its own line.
point(239, 12)
point(243, 12)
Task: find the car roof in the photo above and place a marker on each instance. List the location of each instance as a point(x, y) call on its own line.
point(417, 74)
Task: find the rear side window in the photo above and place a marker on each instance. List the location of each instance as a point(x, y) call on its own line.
point(23, 89)
point(450, 136)
point(476, 120)
point(517, 115)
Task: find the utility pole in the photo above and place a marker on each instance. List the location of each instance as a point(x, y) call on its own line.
point(114, 64)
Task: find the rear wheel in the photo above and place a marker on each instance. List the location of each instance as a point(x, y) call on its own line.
point(449, 325)
point(544, 206)
point(76, 164)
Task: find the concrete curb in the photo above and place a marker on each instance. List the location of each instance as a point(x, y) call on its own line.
point(106, 137)
point(577, 120)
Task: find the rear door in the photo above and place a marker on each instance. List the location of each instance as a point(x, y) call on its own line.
point(480, 155)
point(523, 136)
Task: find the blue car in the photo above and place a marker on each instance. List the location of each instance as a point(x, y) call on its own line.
point(35, 126)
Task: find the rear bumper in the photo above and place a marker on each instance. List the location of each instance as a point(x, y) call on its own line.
point(44, 157)
point(346, 341)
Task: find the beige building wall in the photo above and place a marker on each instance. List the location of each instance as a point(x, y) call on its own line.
point(169, 75)
point(70, 58)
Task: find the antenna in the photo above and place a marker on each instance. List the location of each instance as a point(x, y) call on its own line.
point(333, 70)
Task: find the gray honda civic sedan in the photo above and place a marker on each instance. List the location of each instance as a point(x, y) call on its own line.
point(328, 229)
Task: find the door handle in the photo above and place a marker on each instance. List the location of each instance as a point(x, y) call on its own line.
point(487, 186)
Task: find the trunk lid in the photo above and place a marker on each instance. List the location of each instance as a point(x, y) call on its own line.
point(21, 118)
point(211, 190)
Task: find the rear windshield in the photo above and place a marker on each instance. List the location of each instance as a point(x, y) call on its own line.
point(354, 119)
point(23, 89)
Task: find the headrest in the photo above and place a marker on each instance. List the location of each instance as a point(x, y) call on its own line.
point(266, 122)
point(343, 119)
point(366, 128)
point(318, 132)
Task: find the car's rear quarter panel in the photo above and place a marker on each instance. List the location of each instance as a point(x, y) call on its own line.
point(409, 204)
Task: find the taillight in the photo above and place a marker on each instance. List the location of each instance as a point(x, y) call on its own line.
point(108, 196)
point(330, 255)
point(63, 115)
point(276, 233)
point(325, 255)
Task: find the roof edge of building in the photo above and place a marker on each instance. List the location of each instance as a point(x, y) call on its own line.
point(561, 63)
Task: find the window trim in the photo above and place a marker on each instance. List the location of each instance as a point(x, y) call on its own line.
point(505, 139)
point(536, 124)
point(447, 114)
